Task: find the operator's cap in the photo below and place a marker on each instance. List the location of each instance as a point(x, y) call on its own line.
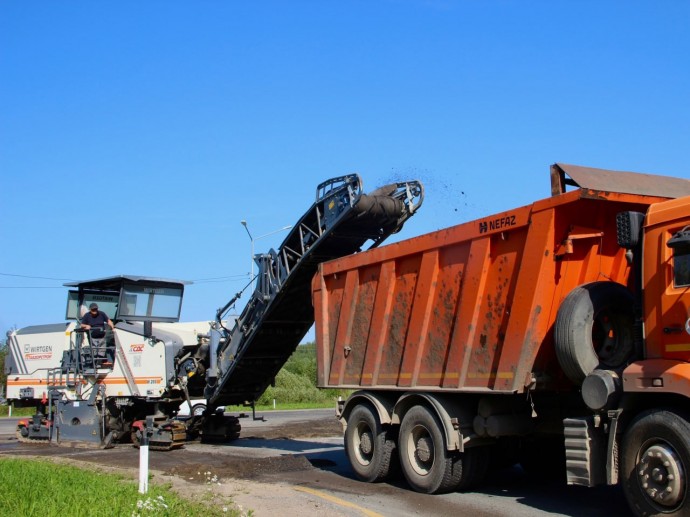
point(93, 306)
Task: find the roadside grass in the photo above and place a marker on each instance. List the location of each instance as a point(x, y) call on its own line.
point(282, 406)
point(46, 489)
point(17, 411)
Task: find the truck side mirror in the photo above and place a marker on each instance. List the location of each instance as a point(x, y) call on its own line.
point(680, 240)
point(629, 228)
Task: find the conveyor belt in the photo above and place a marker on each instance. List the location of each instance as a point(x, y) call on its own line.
point(279, 313)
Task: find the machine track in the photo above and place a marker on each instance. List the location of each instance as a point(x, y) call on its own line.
point(24, 433)
point(171, 436)
point(27, 439)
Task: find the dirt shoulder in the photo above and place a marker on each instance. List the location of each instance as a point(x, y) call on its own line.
point(226, 476)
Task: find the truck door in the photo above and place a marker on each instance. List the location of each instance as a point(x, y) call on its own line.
point(675, 301)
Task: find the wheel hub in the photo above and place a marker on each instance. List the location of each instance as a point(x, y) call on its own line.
point(366, 443)
point(660, 474)
point(423, 449)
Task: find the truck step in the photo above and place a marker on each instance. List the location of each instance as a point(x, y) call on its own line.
point(584, 444)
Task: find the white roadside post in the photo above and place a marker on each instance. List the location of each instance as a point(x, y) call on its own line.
point(144, 457)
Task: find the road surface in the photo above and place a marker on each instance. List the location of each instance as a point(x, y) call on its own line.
point(294, 463)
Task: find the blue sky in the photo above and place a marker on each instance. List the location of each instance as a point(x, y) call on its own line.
point(135, 136)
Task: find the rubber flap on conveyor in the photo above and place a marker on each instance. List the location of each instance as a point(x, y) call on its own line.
point(279, 312)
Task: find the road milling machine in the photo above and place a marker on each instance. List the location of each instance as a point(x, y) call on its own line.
point(97, 390)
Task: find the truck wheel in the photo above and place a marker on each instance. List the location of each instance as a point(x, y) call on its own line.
point(475, 466)
point(594, 329)
point(656, 464)
point(198, 409)
point(426, 463)
point(367, 446)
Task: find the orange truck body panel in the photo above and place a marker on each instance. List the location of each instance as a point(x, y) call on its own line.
point(469, 308)
point(667, 307)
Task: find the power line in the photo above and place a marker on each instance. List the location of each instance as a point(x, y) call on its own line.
point(217, 279)
point(36, 277)
point(30, 287)
point(220, 278)
point(236, 278)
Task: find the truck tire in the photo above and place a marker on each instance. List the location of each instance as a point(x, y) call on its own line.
point(426, 463)
point(198, 409)
point(367, 445)
point(656, 464)
point(594, 329)
point(476, 463)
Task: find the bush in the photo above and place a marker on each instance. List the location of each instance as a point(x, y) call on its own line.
point(291, 387)
point(296, 382)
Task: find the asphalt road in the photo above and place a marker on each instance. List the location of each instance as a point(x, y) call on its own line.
point(313, 474)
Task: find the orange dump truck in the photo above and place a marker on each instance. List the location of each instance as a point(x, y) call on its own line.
point(556, 335)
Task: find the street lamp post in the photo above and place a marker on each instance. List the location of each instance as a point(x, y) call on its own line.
point(253, 239)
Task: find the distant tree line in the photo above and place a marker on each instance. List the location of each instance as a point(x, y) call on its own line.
point(296, 381)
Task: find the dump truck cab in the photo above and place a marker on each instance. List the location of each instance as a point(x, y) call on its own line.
point(666, 280)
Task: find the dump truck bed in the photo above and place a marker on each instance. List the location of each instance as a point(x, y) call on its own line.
point(471, 307)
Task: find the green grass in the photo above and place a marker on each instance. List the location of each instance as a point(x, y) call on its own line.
point(46, 489)
point(17, 411)
point(282, 406)
point(295, 384)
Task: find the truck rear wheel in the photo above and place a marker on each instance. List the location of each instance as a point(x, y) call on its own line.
point(594, 329)
point(198, 409)
point(367, 445)
point(656, 464)
point(426, 463)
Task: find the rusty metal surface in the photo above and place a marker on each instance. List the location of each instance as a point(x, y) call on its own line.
point(617, 181)
point(471, 307)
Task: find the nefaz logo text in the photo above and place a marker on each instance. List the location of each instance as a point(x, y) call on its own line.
point(496, 224)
